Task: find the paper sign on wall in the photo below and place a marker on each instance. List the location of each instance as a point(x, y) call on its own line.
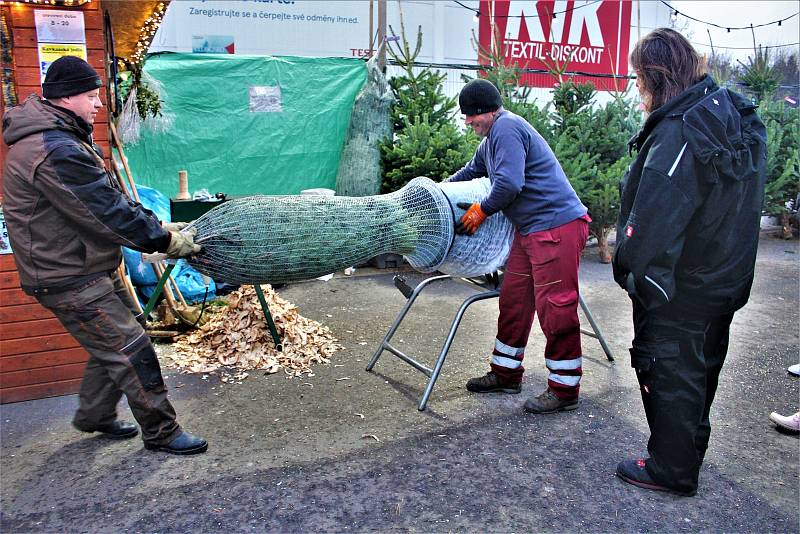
point(5, 245)
point(59, 26)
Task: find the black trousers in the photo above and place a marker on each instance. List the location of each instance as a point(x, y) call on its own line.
point(100, 316)
point(678, 360)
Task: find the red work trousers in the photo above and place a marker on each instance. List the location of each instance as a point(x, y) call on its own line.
point(541, 277)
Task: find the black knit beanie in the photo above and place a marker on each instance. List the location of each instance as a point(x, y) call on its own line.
point(69, 75)
point(479, 96)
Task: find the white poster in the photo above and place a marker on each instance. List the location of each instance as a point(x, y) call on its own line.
point(315, 28)
point(5, 245)
point(267, 28)
point(59, 26)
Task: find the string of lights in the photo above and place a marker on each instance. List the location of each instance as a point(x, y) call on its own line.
point(470, 66)
point(46, 2)
point(478, 13)
point(745, 47)
point(676, 13)
point(148, 31)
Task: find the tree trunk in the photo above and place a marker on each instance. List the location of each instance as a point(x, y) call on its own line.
point(602, 246)
point(786, 226)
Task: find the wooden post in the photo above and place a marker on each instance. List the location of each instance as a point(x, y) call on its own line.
point(381, 35)
point(157, 267)
point(371, 27)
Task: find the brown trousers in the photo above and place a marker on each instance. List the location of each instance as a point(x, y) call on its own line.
point(100, 315)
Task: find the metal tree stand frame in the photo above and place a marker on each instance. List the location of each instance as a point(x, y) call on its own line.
point(491, 285)
point(259, 293)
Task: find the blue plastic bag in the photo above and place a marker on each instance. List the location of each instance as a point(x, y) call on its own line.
point(190, 282)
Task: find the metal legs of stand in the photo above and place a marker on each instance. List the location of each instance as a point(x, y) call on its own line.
point(595, 333)
point(270, 322)
point(433, 374)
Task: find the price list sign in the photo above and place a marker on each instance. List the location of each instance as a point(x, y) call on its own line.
point(59, 33)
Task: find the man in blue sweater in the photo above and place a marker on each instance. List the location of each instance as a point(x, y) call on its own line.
point(541, 274)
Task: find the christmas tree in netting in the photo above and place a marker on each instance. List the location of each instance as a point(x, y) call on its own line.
point(359, 171)
point(276, 239)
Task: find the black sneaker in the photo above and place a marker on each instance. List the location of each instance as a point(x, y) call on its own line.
point(116, 430)
point(634, 472)
point(490, 382)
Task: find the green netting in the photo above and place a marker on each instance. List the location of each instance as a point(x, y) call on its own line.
point(274, 239)
point(360, 167)
point(247, 125)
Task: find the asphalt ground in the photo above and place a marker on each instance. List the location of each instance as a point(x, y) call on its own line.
point(296, 455)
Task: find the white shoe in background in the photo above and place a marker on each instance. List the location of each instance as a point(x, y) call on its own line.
point(794, 369)
point(791, 422)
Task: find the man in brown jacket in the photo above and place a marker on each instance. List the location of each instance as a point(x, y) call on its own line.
point(66, 220)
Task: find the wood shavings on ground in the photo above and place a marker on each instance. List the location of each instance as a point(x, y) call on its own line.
point(238, 339)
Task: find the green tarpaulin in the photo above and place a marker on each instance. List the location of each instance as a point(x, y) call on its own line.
point(243, 125)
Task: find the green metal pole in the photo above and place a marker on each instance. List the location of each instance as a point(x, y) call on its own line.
point(274, 331)
point(159, 287)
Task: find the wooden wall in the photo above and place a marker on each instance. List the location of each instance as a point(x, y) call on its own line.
point(38, 358)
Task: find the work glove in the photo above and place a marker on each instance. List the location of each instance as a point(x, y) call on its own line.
point(471, 220)
point(174, 226)
point(181, 244)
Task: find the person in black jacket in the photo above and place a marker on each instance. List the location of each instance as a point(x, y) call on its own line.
point(687, 237)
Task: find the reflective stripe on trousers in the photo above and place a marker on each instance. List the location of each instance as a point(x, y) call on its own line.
point(541, 277)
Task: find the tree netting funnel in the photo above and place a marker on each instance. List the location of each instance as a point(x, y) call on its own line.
point(276, 239)
point(485, 251)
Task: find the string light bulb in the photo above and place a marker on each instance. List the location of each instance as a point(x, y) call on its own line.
point(148, 31)
point(477, 16)
point(674, 15)
point(68, 3)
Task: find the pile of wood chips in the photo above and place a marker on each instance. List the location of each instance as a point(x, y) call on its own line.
point(238, 339)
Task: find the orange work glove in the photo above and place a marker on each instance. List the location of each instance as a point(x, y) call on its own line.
point(471, 220)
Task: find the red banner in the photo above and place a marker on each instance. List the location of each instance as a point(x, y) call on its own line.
point(593, 37)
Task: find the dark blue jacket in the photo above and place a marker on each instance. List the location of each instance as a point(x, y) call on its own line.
point(690, 204)
point(528, 184)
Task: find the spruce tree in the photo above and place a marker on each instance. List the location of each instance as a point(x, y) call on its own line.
point(426, 140)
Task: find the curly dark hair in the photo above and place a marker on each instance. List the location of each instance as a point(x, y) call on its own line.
point(666, 64)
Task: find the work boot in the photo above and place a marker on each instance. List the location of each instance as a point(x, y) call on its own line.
point(790, 422)
point(184, 444)
point(547, 402)
point(116, 430)
point(634, 472)
point(490, 382)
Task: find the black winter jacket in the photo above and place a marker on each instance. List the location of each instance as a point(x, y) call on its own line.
point(691, 201)
point(66, 218)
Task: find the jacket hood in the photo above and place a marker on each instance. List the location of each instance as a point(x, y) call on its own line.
point(713, 129)
point(36, 115)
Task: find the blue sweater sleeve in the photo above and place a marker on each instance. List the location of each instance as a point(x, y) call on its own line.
point(507, 172)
